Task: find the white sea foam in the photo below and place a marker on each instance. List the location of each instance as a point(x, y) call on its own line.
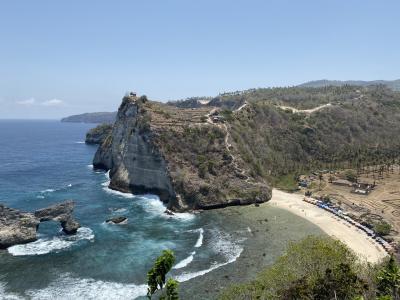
point(80, 142)
point(119, 210)
point(114, 192)
point(184, 262)
point(69, 185)
point(47, 191)
point(90, 167)
point(199, 241)
point(221, 243)
point(68, 288)
point(55, 244)
point(152, 204)
point(7, 296)
point(184, 216)
point(187, 276)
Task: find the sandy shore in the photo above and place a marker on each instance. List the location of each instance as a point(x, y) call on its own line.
point(353, 237)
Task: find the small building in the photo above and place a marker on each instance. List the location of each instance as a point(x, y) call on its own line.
point(132, 94)
point(218, 119)
point(303, 183)
point(362, 188)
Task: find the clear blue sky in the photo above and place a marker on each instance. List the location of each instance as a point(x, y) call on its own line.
point(63, 57)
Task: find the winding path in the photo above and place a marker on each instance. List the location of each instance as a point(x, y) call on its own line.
point(305, 111)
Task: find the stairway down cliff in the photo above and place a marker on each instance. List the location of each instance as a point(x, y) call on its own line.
point(181, 155)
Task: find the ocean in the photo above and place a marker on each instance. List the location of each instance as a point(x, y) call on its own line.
point(46, 162)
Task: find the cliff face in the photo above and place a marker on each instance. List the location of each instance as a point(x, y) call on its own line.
point(135, 164)
point(179, 155)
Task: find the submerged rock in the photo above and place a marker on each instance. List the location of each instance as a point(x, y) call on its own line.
point(168, 212)
point(18, 227)
point(70, 226)
point(117, 220)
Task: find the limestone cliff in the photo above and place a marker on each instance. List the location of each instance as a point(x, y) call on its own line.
point(184, 156)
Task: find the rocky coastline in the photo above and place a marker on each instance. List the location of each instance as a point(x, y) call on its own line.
point(18, 227)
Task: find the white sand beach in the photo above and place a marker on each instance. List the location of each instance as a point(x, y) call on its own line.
point(354, 238)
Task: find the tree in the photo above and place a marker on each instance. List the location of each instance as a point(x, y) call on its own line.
point(382, 228)
point(156, 275)
point(143, 99)
point(351, 176)
point(320, 177)
point(171, 290)
point(340, 283)
point(389, 280)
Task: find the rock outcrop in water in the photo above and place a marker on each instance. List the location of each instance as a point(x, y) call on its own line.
point(18, 227)
point(181, 155)
point(63, 213)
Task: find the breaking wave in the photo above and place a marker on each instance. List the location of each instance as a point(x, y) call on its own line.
point(68, 288)
point(221, 243)
point(199, 241)
point(54, 244)
point(184, 262)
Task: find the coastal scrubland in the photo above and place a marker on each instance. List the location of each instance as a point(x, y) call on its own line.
point(320, 268)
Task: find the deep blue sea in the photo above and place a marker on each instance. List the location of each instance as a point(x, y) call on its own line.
point(46, 162)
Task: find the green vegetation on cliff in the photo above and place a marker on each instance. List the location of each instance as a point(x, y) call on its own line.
point(98, 134)
point(320, 268)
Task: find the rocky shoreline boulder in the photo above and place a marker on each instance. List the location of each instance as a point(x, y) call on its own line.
point(18, 227)
point(117, 220)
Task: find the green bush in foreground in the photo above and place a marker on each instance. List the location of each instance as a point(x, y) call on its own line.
point(156, 277)
point(320, 268)
point(388, 280)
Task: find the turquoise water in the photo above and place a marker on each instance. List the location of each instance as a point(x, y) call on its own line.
point(45, 162)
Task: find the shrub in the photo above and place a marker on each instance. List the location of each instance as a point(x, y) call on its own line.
point(382, 228)
point(156, 275)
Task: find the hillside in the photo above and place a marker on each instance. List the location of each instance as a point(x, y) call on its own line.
point(392, 84)
point(230, 150)
point(96, 117)
point(179, 155)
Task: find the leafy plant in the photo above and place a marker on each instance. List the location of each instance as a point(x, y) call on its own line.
point(389, 280)
point(382, 228)
point(156, 275)
point(171, 292)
